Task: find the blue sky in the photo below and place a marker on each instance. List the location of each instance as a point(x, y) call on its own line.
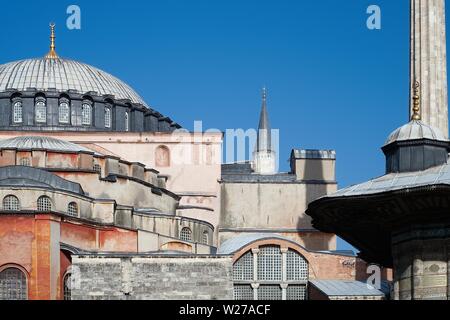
point(332, 83)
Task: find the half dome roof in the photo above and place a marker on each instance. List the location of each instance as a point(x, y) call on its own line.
point(63, 75)
point(42, 143)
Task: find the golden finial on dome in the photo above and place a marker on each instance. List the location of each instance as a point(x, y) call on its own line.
point(52, 53)
point(416, 101)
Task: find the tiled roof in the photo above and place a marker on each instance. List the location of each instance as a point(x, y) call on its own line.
point(343, 288)
point(397, 181)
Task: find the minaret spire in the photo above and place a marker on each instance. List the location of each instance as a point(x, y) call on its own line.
point(429, 62)
point(52, 53)
point(264, 155)
point(264, 137)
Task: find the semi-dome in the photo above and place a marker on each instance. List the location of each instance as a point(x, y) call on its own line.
point(41, 143)
point(415, 130)
point(63, 75)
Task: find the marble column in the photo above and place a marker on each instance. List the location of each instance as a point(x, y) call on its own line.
point(428, 61)
point(421, 263)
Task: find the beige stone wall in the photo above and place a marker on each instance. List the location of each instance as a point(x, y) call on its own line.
point(273, 207)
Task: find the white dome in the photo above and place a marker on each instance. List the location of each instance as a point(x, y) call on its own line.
point(63, 75)
point(415, 130)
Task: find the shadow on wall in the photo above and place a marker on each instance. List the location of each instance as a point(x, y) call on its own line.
point(314, 174)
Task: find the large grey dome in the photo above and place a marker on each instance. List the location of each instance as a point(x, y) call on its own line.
point(63, 75)
point(415, 130)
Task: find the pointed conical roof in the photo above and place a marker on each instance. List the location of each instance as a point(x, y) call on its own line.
point(264, 132)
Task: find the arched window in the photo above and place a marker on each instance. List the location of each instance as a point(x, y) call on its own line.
point(86, 114)
point(186, 234)
point(17, 112)
point(127, 121)
point(205, 237)
point(40, 111)
point(11, 203)
point(13, 284)
point(67, 287)
point(108, 119)
point(162, 156)
point(64, 112)
point(44, 204)
point(281, 274)
point(25, 162)
point(72, 209)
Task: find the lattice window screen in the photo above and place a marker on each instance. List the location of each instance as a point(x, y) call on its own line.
point(17, 112)
point(269, 292)
point(13, 285)
point(296, 292)
point(297, 267)
point(11, 203)
point(86, 114)
point(186, 234)
point(243, 292)
point(269, 264)
point(72, 209)
point(243, 268)
point(44, 204)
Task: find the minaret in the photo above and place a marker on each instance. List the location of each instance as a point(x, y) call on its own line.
point(428, 61)
point(264, 156)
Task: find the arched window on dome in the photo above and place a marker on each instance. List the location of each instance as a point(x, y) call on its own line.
point(64, 111)
point(72, 209)
point(44, 204)
point(17, 112)
point(108, 118)
point(86, 114)
point(40, 110)
point(25, 162)
point(11, 203)
point(186, 234)
point(127, 121)
point(13, 284)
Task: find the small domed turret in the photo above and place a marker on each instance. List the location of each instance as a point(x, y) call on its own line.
point(415, 146)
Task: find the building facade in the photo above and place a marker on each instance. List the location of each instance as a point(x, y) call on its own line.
point(103, 197)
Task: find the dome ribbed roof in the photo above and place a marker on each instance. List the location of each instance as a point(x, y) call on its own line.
point(415, 130)
point(63, 75)
point(41, 143)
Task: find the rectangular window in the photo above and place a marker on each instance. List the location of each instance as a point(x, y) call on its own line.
point(243, 292)
point(296, 292)
point(270, 292)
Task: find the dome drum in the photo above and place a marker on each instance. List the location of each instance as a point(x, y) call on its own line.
point(73, 111)
point(415, 155)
